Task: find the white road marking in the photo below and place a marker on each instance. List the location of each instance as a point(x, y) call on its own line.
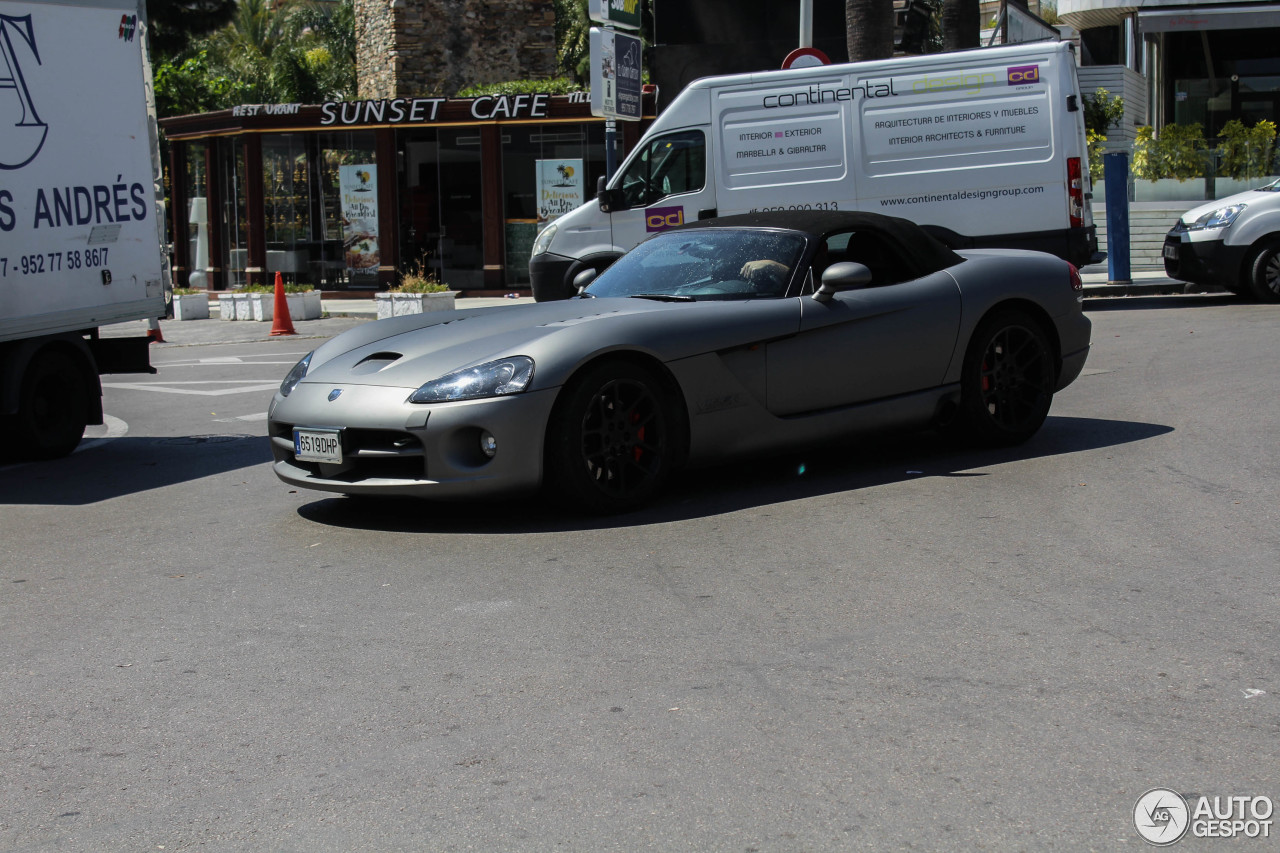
point(256, 416)
point(250, 386)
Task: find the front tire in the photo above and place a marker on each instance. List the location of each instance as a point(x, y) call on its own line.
point(611, 441)
point(1264, 273)
point(1006, 384)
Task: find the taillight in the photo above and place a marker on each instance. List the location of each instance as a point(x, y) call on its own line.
point(1075, 192)
point(1077, 283)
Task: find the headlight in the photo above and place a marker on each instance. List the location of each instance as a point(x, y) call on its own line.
point(295, 376)
point(543, 243)
point(494, 379)
point(1220, 218)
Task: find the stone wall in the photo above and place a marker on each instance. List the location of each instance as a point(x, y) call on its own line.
point(436, 47)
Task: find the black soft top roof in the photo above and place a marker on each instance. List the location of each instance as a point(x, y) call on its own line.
point(922, 252)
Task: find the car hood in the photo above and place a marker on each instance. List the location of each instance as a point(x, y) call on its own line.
point(408, 351)
point(1249, 197)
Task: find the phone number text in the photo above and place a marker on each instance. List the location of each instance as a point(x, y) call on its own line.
point(48, 262)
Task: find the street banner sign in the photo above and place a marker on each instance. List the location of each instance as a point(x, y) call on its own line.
point(615, 74)
point(617, 13)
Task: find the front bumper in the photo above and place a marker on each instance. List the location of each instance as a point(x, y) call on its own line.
point(548, 274)
point(391, 447)
point(1209, 262)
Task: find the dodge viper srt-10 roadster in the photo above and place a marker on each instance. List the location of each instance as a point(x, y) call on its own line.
point(720, 338)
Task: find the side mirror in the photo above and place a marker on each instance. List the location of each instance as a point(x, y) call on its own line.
point(845, 275)
point(610, 200)
point(582, 279)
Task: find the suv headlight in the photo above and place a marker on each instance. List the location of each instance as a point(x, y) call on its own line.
point(1220, 218)
point(492, 379)
point(543, 243)
point(295, 376)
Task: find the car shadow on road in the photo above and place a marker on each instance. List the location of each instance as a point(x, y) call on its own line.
point(753, 482)
point(128, 465)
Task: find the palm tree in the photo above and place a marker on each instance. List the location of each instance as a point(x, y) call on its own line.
point(868, 29)
point(961, 24)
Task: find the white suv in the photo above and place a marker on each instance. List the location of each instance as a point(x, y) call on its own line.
point(1232, 242)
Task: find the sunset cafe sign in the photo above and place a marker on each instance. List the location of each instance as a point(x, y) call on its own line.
point(427, 110)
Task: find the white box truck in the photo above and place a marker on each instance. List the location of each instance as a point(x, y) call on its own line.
point(81, 236)
point(984, 147)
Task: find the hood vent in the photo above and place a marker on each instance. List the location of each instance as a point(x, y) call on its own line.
point(374, 363)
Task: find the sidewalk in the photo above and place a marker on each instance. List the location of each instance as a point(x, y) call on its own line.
point(342, 314)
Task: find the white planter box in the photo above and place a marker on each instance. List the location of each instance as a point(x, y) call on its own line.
point(261, 306)
point(191, 306)
point(399, 304)
point(305, 305)
point(302, 306)
point(234, 306)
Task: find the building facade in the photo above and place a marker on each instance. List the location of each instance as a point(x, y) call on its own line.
point(1202, 61)
point(346, 196)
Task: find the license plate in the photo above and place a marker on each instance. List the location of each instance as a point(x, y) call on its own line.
point(318, 445)
point(1171, 251)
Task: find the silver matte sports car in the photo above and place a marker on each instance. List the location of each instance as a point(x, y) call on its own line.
point(725, 337)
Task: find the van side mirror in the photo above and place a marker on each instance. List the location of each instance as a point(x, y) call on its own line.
point(610, 200)
point(845, 275)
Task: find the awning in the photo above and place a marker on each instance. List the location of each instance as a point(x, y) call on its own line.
point(1196, 18)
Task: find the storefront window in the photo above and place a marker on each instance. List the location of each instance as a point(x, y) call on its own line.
point(441, 226)
point(233, 219)
point(547, 170)
point(1222, 75)
point(346, 252)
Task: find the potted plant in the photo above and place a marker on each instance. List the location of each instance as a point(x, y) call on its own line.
point(304, 302)
point(417, 293)
point(190, 304)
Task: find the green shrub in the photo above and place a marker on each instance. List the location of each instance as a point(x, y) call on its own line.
point(1095, 155)
point(1179, 152)
point(1102, 111)
point(1246, 152)
point(416, 279)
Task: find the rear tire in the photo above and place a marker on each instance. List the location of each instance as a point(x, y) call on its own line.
point(611, 442)
point(1264, 273)
point(1006, 384)
point(53, 410)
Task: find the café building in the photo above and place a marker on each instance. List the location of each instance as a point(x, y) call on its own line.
point(345, 196)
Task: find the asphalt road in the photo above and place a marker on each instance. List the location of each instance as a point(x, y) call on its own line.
point(896, 644)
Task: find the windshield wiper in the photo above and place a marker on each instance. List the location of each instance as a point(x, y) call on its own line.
point(663, 297)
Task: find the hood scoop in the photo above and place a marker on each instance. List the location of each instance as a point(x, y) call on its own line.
point(375, 362)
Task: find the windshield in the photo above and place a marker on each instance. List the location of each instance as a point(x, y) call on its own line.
point(704, 264)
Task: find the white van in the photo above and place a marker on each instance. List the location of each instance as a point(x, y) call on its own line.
point(984, 147)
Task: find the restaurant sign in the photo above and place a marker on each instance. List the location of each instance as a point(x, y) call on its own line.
point(426, 110)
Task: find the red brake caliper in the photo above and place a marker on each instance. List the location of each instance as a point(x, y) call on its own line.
point(636, 451)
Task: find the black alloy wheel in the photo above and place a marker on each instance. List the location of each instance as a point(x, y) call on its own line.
point(1264, 273)
point(610, 444)
point(1006, 386)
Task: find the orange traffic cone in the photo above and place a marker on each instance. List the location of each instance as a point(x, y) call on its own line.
point(153, 332)
point(282, 323)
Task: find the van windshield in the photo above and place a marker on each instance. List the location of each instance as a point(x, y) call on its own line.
point(705, 264)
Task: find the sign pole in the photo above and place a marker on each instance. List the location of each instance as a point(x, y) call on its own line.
point(610, 148)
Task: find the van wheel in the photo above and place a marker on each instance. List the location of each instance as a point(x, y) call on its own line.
point(1264, 273)
point(53, 410)
point(1006, 383)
